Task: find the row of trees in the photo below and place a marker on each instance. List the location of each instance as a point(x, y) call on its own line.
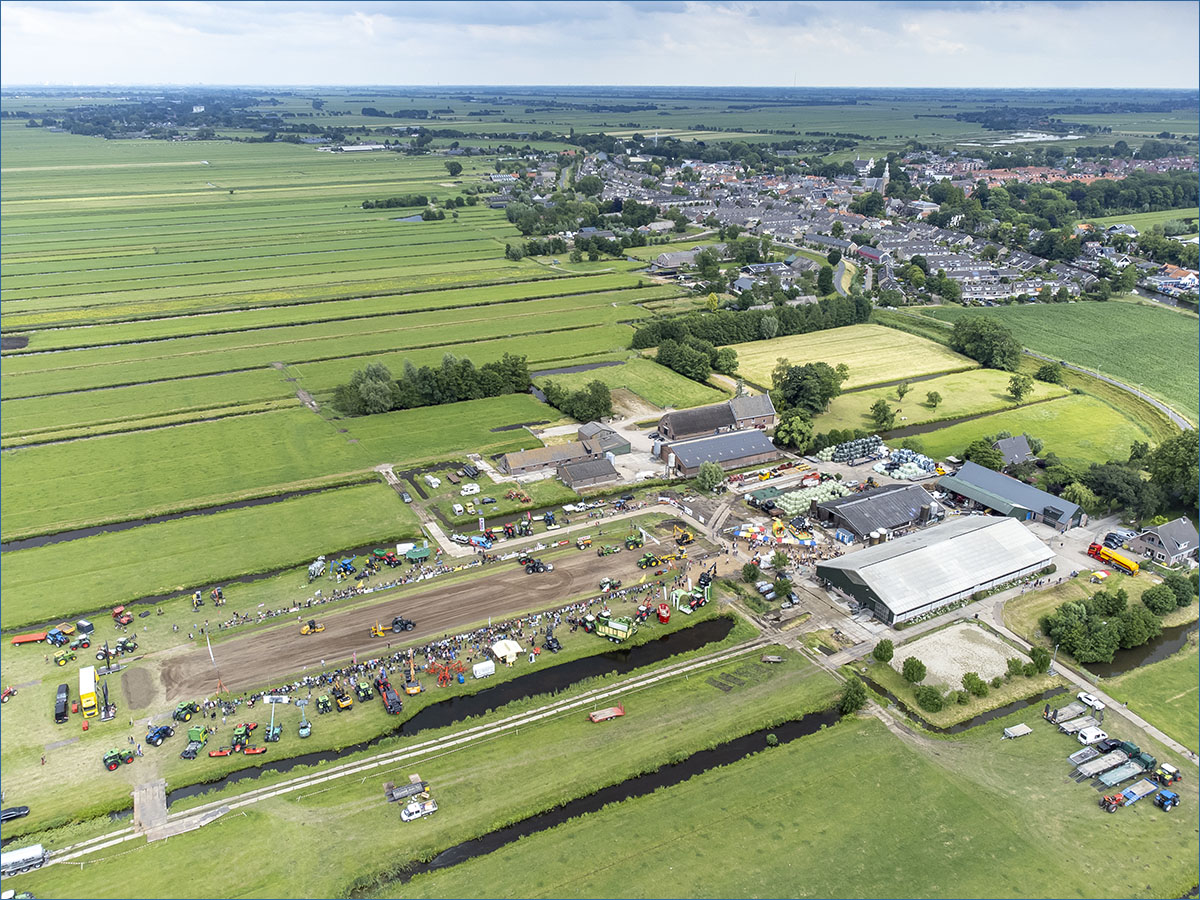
point(588, 404)
point(1093, 629)
point(697, 359)
point(738, 326)
point(373, 389)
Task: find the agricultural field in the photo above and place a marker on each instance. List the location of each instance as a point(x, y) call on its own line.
point(655, 384)
point(115, 568)
point(875, 355)
point(918, 787)
point(1079, 428)
point(1146, 221)
point(1144, 344)
point(967, 393)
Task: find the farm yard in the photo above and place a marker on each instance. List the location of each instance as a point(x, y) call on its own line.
point(874, 354)
point(1111, 338)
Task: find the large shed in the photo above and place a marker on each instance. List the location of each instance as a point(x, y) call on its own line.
point(905, 578)
point(880, 509)
point(1010, 497)
point(732, 450)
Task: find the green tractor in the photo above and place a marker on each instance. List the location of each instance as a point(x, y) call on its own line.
point(185, 711)
point(363, 690)
point(324, 704)
point(649, 561)
point(114, 758)
point(62, 657)
point(633, 541)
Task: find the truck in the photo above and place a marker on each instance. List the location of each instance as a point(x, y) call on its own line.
point(1094, 767)
point(1103, 554)
point(417, 809)
point(481, 541)
point(61, 703)
point(615, 628)
point(14, 862)
point(87, 692)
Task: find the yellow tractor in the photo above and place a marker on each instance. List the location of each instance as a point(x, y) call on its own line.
point(311, 627)
point(377, 630)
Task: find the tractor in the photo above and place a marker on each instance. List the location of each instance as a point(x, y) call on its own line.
point(120, 616)
point(56, 638)
point(608, 550)
point(312, 627)
point(241, 735)
point(9, 691)
point(536, 565)
point(490, 534)
point(114, 758)
point(1167, 775)
point(81, 643)
point(324, 704)
point(125, 645)
point(63, 657)
point(649, 561)
point(159, 734)
point(197, 737)
point(185, 711)
point(341, 698)
point(643, 612)
point(1112, 802)
point(525, 528)
point(584, 542)
point(510, 530)
point(609, 584)
point(400, 624)
point(345, 567)
point(633, 541)
point(548, 518)
point(363, 691)
point(391, 560)
point(1166, 800)
point(551, 642)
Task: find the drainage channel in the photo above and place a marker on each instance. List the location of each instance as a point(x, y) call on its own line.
point(453, 710)
point(1168, 643)
point(667, 775)
point(75, 534)
point(959, 727)
point(913, 430)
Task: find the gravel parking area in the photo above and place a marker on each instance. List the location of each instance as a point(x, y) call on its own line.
point(951, 653)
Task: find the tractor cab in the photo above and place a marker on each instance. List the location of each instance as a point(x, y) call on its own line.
point(1167, 775)
point(311, 627)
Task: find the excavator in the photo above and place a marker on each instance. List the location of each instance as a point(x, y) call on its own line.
point(683, 537)
point(412, 687)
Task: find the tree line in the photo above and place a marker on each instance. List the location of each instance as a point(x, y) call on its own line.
point(373, 389)
point(590, 403)
point(727, 326)
point(696, 359)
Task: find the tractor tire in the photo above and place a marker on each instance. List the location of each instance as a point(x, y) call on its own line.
point(61, 662)
point(128, 758)
point(112, 766)
point(187, 717)
point(100, 656)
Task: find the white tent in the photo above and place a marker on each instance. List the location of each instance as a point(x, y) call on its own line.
point(506, 651)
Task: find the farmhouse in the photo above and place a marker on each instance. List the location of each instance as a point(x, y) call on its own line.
point(1015, 450)
point(1010, 497)
point(603, 438)
point(588, 472)
point(882, 509)
point(523, 462)
point(905, 578)
point(740, 412)
point(1170, 543)
point(734, 450)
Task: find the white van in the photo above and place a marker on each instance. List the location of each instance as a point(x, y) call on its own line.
point(458, 510)
point(1091, 735)
point(468, 489)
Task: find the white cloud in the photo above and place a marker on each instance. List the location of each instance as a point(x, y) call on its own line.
point(998, 44)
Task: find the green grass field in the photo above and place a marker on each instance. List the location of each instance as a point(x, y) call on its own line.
point(1078, 428)
point(1164, 694)
point(944, 818)
point(110, 569)
point(1143, 344)
point(874, 354)
point(963, 394)
point(1146, 221)
point(653, 383)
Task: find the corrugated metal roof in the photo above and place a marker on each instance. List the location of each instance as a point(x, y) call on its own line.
point(700, 419)
point(972, 479)
point(889, 506)
point(722, 448)
point(587, 469)
point(919, 569)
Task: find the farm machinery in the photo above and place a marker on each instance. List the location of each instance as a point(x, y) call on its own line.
point(241, 742)
point(197, 737)
point(615, 628)
point(548, 518)
point(551, 643)
point(1167, 775)
point(649, 561)
point(9, 691)
point(316, 569)
point(123, 645)
point(363, 691)
point(377, 630)
point(446, 672)
point(62, 657)
point(391, 700)
point(609, 584)
point(113, 758)
point(273, 732)
point(345, 567)
point(312, 627)
point(608, 550)
point(81, 643)
point(536, 565)
point(184, 711)
point(324, 704)
point(341, 697)
point(120, 616)
point(1166, 800)
point(519, 496)
point(683, 536)
point(305, 728)
point(707, 577)
point(157, 735)
point(634, 540)
point(412, 686)
point(510, 530)
point(584, 542)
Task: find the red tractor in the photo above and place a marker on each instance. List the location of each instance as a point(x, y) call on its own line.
point(8, 692)
point(120, 616)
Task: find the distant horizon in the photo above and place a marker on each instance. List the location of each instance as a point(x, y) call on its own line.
point(919, 44)
point(597, 86)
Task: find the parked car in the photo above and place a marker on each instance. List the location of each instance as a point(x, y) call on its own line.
point(13, 812)
point(1108, 745)
point(458, 510)
point(406, 496)
point(1090, 700)
point(486, 500)
point(1092, 735)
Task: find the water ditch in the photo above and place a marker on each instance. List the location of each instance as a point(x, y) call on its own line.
point(454, 710)
point(927, 427)
point(959, 727)
point(1168, 643)
point(77, 533)
point(667, 775)
point(571, 370)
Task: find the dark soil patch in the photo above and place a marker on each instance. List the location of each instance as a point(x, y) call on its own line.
point(517, 425)
point(14, 342)
point(138, 687)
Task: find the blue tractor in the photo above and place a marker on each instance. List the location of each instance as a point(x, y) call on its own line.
point(345, 566)
point(159, 734)
point(548, 518)
point(1166, 800)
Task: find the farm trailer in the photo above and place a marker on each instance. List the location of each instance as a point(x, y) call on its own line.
point(1136, 766)
point(1094, 767)
point(1136, 792)
point(1065, 714)
point(1076, 725)
point(1079, 757)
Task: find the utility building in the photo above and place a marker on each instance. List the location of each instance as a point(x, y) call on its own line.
point(1010, 497)
point(880, 509)
point(905, 578)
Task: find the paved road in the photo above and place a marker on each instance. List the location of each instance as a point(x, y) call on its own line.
point(838, 274)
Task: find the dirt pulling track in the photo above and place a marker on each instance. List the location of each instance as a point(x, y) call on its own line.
point(261, 658)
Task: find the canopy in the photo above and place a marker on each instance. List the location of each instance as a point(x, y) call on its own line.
point(417, 553)
point(506, 651)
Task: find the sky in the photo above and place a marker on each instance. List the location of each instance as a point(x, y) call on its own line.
point(896, 44)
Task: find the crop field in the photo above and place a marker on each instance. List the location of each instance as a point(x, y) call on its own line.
point(972, 785)
point(874, 354)
point(963, 394)
point(1079, 428)
point(1146, 221)
point(653, 383)
point(110, 569)
point(1143, 344)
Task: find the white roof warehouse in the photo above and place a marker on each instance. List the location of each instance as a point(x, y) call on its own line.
point(905, 578)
